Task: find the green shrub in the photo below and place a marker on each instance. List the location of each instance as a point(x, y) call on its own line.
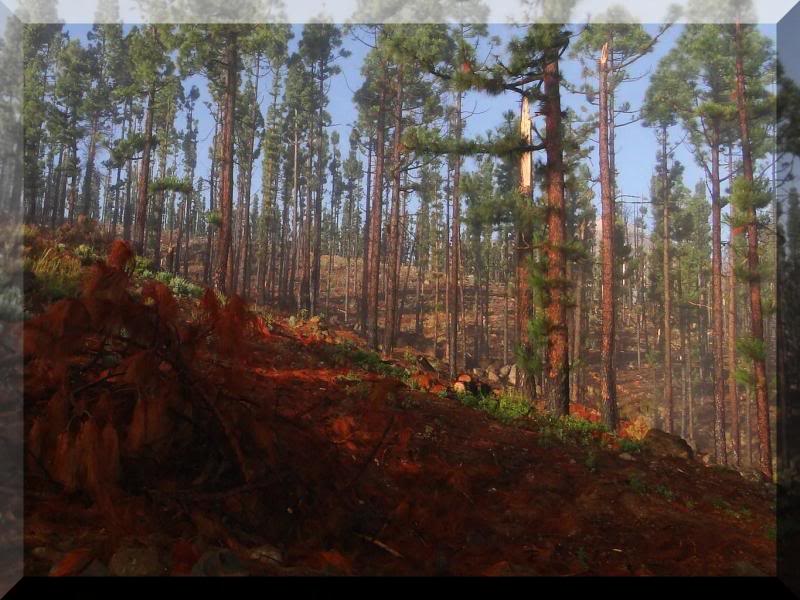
point(664, 492)
point(164, 277)
point(143, 267)
point(512, 406)
point(29, 234)
point(637, 484)
point(86, 254)
point(507, 407)
point(58, 275)
point(182, 287)
point(591, 460)
point(349, 376)
point(349, 353)
point(629, 445)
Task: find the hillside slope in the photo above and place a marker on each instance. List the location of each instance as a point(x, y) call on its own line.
point(171, 436)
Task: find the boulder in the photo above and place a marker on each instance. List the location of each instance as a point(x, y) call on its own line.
point(512, 375)
point(96, 569)
point(219, 562)
point(491, 375)
point(136, 562)
point(746, 569)
point(504, 370)
point(661, 443)
point(267, 553)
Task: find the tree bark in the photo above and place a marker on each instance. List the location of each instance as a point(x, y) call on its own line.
point(144, 175)
point(455, 238)
point(608, 386)
point(555, 386)
point(754, 281)
point(231, 59)
point(668, 396)
point(524, 253)
point(372, 273)
point(717, 339)
point(393, 274)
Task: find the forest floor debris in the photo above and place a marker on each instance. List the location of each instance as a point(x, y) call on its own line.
point(210, 440)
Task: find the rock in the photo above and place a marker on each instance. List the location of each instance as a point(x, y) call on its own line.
point(491, 376)
point(745, 569)
point(96, 569)
point(704, 457)
point(459, 387)
point(46, 554)
point(635, 504)
point(425, 364)
point(504, 371)
point(136, 562)
point(477, 372)
point(666, 444)
point(219, 562)
point(512, 375)
point(626, 456)
point(753, 475)
point(267, 553)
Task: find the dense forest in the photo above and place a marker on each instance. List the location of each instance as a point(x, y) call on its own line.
point(501, 250)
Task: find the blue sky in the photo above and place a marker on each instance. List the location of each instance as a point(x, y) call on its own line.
point(636, 145)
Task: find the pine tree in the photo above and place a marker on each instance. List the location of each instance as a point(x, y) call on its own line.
point(659, 113)
point(614, 47)
point(151, 66)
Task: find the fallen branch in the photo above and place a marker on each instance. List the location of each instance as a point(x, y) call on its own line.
point(381, 545)
point(372, 455)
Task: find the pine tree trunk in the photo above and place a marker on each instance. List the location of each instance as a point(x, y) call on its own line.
point(555, 385)
point(668, 397)
point(115, 214)
point(608, 386)
point(89, 177)
point(455, 236)
point(144, 176)
point(373, 261)
point(524, 239)
point(393, 258)
point(717, 339)
point(756, 312)
point(224, 239)
point(366, 245)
